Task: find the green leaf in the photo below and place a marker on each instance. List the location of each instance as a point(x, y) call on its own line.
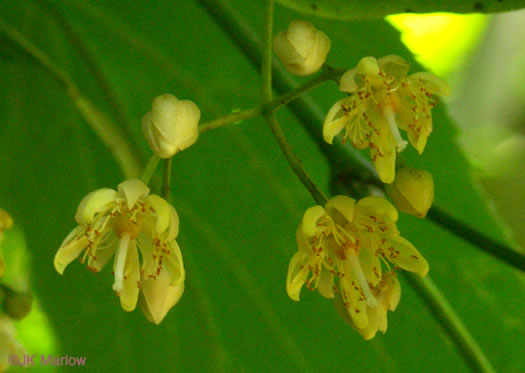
point(238, 202)
point(356, 9)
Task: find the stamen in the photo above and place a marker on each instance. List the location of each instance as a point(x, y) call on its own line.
point(391, 119)
point(371, 301)
point(121, 261)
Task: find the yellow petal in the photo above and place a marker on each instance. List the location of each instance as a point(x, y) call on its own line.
point(347, 83)
point(70, 249)
point(385, 162)
point(97, 202)
point(310, 219)
point(394, 66)
point(174, 263)
point(158, 296)
point(375, 206)
point(334, 122)
point(173, 230)
point(132, 190)
point(370, 263)
point(162, 211)
point(431, 83)
point(326, 284)
point(341, 208)
point(405, 255)
point(394, 293)
point(297, 274)
point(376, 318)
point(368, 66)
point(104, 251)
point(351, 295)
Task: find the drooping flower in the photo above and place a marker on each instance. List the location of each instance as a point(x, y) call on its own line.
point(122, 223)
point(412, 191)
point(382, 100)
point(172, 125)
point(301, 48)
point(11, 351)
point(6, 222)
point(342, 248)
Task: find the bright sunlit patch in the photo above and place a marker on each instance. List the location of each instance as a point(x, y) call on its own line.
point(440, 41)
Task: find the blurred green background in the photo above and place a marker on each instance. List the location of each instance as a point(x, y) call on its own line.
point(238, 201)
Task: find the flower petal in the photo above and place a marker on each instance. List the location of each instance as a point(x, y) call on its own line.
point(158, 296)
point(347, 83)
point(368, 66)
point(430, 83)
point(174, 264)
point(310, 220)
point(384, 157)
point(297, 274)
point(405, 255)
point(353, 301)
point(132, 190)
point(375, 206)
point(341, 208)
point(97, 202)
point(70, 249)
point(394, 66)
point(162, 211)
point(104, 251)
point(326, 284)
point(370, 264)
point(335, 121)
point(173, 229)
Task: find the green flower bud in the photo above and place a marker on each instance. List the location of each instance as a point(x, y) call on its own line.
point(412, 191)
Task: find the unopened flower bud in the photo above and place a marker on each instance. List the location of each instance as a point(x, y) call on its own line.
point(17, 305)
point(171, 125)
point(301, 48)
point(412, 191)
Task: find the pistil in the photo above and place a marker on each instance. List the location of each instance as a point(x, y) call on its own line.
point(391, 119)
point(121, 261)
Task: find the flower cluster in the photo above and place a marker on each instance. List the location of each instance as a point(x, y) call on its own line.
point(342, 248)
point(382, 100)
point(122, 223)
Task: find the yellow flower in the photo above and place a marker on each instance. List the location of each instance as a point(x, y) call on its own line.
point(412, 191)
point(301, 48)
point(6, 222)
point(9, 346)
point(383, 99)
point(121, 223)
point(341, 247)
